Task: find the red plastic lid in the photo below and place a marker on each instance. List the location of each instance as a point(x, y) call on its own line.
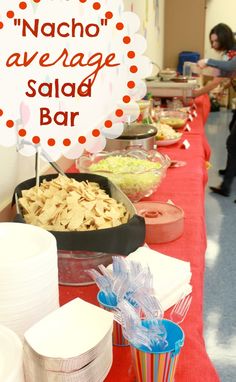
point(164, 221)
point(159, 212)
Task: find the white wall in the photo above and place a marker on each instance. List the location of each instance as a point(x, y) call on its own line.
point(152, 25)
point(218, 11)
point(14, 168)
point(8, 174)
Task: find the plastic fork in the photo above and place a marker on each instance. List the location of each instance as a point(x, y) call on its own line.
point(180, 309)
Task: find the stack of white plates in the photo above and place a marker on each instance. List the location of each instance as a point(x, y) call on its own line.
point(11, 356)
point(28, 275)
point(74, 343)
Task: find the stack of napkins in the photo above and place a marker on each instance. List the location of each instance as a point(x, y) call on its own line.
point(11, 356)
point(74, 343)
point(171, 276)
point(28, 275)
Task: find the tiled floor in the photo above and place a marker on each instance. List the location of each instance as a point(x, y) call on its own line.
point(220, 275)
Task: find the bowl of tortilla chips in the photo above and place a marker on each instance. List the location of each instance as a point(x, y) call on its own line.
point(89, 216)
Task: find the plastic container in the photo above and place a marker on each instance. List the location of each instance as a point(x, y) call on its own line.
point(187, 56)
point(187, 71)
point(164, 221)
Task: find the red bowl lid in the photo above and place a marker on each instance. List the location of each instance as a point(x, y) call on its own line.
point(159, 212)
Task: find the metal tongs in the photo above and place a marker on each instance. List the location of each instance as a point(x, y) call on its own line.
point(40, 152)
point(18, 217)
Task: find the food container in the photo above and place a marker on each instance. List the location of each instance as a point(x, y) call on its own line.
point(173, 118)
point(164, 221)
point(180, 79)
point(136, 172)
point(167, 135)
point(145, 107)
point(72, 266)
point(134, 134)
point(167, 74)
point(78, 251)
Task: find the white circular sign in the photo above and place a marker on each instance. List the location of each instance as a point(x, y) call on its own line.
point(70, 72)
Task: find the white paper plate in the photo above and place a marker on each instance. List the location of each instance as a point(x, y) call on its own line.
point(167, 142)
point(11, 356)
point(94, 371)
point(23, 245)
point(28, 275)
point(70, 331)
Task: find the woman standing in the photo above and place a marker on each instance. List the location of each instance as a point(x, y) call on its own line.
point(222, 40)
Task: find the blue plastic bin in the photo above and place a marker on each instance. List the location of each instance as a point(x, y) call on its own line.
point(187, 56)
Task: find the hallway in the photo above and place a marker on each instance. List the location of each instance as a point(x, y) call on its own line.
point(220, 274)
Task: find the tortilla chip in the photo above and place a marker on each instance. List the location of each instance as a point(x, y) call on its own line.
point(64, 204)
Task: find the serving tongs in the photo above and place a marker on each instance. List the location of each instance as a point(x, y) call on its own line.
point(50, 161)
point(40, 152)
point(18, 218)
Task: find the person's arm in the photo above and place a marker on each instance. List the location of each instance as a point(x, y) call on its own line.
point(208, 87)
point(227, 66)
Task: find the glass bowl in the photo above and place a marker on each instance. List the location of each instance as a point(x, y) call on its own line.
point(145, 111)
point(167, 74)
point(173, 118)
point(136, 172)
point(73, 266)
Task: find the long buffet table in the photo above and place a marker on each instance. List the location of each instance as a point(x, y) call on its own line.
point(185, 186)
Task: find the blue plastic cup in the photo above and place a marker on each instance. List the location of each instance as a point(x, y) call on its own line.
point(117, 334)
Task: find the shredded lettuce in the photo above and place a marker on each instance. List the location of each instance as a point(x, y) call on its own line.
point(136, 177)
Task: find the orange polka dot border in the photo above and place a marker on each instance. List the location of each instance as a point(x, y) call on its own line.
point(22, 5)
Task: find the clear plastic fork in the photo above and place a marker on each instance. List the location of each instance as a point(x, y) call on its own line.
point(180, 309)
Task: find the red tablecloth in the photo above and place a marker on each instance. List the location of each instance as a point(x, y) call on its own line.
point(185, 187)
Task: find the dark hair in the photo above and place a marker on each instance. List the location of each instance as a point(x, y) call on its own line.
point(225, 36)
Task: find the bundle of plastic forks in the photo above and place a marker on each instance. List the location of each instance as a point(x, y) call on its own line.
point(125, 281)
point(151, 306)
point(104, 283)
point(128, 291)
point(149, 333)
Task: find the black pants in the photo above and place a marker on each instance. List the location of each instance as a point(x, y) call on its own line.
point(232, 120)
point(231, 157)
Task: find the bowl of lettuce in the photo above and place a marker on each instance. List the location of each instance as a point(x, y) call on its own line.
point(136, 172)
